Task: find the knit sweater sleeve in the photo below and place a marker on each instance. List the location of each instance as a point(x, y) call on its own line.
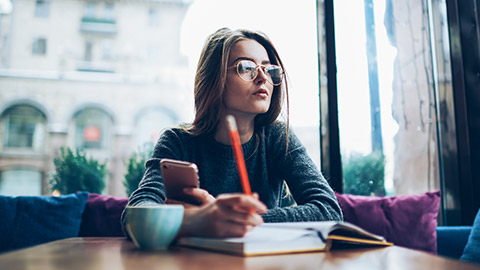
point(150, 189)
point(315, 199)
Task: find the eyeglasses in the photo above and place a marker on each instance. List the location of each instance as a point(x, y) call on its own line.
point(248, 71)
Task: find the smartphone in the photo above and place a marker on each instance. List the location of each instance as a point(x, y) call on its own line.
point(178, 175)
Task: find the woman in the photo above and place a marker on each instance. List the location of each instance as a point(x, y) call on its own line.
point(239, 73)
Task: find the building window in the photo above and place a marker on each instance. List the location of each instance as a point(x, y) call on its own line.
point(88, 51)
point(108, 13)
point(153, 17)
point(24, 128)
point(92, 129)
point(21, 182)
point(90, 10)
point(42, 8)
point(107, 49)
point(39, 46)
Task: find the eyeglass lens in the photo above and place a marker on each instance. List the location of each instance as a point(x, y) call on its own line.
point(248, 71)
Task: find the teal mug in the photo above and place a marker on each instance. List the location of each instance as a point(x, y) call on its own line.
point(153, 226)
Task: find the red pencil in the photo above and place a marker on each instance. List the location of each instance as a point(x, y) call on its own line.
point(237, 150)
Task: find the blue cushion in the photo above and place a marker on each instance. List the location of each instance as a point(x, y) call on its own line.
point(31, 220)
point(451, 240)
point(472, 250)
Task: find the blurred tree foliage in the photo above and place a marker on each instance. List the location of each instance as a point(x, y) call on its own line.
point(364, 174)
point(75, 172)
point(136, 168)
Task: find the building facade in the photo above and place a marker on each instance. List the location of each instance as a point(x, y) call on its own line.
point(103, 76)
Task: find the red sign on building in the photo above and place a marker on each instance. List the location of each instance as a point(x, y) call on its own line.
point(92, 134)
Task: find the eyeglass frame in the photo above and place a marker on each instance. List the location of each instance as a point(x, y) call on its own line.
point(263, 67)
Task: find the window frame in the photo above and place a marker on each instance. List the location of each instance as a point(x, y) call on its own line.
point(39, 46)
point(5, 121)
point(42, 8)
point(457, 175)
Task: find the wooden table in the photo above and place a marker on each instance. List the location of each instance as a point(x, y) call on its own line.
point(118, 253)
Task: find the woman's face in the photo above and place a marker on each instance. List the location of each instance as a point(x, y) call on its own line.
point(247, 98)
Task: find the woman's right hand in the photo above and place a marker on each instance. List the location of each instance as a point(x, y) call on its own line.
point(200, 196)
point(229, 215)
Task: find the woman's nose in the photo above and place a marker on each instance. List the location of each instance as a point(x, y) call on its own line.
point(261, 75)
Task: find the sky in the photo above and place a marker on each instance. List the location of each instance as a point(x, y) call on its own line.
point(5, 6)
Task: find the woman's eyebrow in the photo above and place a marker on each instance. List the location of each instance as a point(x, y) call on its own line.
point(243, 58)
point(264, 62)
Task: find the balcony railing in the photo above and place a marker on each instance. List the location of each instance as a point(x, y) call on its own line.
point(98, 25)
point(95, 67)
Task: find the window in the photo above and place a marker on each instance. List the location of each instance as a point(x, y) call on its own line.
point(24, 128)
point(107, 49)
point(108, 11)
point(39, 46)
point(92, 129)
point(88, 55)
point(42, 8)
point(21, 182)
point(153, 17)
point(90, 10)
point(386, 98)
point(301, 62)
point(152, 68)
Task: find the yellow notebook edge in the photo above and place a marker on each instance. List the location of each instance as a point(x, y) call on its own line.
point(359, 240)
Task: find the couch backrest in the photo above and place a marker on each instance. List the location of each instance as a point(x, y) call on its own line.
point(406, 220)
point(102, 216)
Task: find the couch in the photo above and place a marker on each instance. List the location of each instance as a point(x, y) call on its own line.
point(408, 221)
point(451, 240)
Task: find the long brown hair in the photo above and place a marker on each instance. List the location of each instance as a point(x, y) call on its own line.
point(211, 76)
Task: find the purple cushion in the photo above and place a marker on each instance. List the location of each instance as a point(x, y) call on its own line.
point(102, 216)
point(406, 220)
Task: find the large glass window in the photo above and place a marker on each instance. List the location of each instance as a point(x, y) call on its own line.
point(125, 65)
point(24, 128)
point(386, 95)
point(296, 43)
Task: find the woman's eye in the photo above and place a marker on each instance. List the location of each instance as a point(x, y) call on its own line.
point(246, 68)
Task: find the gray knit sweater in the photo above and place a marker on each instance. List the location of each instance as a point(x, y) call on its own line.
point(268, 164)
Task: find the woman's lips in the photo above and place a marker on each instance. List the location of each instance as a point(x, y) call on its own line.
point(261, 93)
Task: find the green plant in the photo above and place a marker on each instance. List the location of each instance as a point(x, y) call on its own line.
point(364, 174)
point(75, 172)
point(136, 168)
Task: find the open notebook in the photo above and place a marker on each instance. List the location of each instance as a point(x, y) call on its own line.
point(292, 237)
